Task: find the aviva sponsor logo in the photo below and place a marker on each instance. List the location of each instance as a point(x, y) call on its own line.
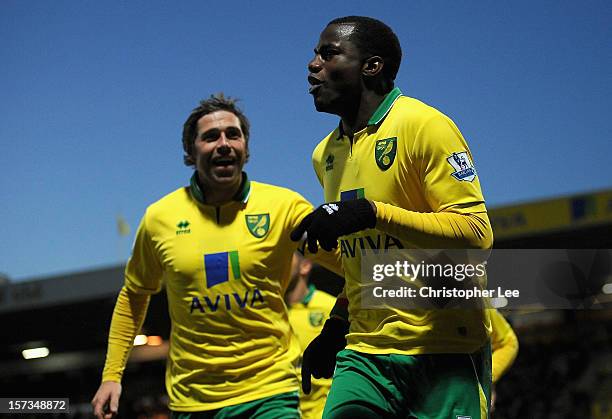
point(252, 298)
point(220, 267)
point(350, 247)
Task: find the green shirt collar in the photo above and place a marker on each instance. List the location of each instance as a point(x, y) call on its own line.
point(385, 106)
point(241, 196)
point(309, 295)
point(380, 112)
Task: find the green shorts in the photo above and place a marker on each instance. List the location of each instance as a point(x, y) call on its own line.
point(281, 406)
point(444, 386)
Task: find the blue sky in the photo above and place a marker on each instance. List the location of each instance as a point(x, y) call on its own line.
point(94, 95)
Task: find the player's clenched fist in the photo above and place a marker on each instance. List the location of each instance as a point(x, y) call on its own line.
point(334, 219)
point(106, 401)
point(319, 358)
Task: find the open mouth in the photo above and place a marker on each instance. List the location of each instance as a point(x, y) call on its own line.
point(315, 84)
point(224, 162)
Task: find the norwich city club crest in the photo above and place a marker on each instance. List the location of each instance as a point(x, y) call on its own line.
point(385, 152)
point(258, 224)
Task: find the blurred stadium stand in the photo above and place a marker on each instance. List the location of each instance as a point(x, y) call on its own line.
point(564, 367)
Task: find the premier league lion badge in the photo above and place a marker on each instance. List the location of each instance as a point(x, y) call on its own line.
point(464, 169)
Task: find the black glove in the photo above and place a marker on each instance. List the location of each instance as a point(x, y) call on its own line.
point(332, 220)
point(319, 358)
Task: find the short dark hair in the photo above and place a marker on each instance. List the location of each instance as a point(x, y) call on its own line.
point(374, 37)
point(216, 102)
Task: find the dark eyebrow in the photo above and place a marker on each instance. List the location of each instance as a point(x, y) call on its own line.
point(217, 131)
point(209, 132)
point(233, 128)
point(324, 48)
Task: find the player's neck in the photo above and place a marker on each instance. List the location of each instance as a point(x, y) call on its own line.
point(221, 195)
point(357, 119)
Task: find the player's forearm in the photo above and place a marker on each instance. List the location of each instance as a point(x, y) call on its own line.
point(503, 357)
point(441, 230)
point(128, 316)
point(329, 260)
point(340, 308)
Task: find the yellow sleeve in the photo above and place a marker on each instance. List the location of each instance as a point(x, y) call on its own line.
point(143, 272)
point(128, 316)
point(457, 217)
point(442, 230)
point(329, 260)
point(434, 152)
point(504, 345)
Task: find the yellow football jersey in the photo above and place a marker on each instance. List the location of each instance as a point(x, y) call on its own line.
point(413, 163)
point(226, 270)
point(307, 319)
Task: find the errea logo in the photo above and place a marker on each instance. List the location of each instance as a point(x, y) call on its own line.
point(183, 227)
point(329, 163)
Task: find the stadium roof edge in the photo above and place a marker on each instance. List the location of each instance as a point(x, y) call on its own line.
point(552, 214)
point(61, 289)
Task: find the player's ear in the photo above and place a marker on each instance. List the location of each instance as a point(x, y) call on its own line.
point(372, 66)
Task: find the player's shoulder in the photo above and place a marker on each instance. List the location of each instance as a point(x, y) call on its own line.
point(169, 203)
point(407, 108)
point(321, 299)
point(497, 319)
point(320, 148)
point(412, 118)
point(277, 194)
